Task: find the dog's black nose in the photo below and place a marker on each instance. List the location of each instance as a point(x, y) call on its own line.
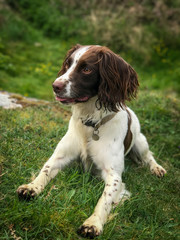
point(58, 86)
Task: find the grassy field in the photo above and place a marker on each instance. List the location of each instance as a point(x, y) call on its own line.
point(29, 62)
point(28, 138)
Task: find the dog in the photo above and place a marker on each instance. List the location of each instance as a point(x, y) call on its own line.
point(102, 129)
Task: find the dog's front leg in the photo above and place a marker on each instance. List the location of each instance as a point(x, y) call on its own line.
point(67, 150)
point(112, 194)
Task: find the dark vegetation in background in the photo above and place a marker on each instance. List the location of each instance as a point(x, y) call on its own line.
point(134, 26)
point(144, 32)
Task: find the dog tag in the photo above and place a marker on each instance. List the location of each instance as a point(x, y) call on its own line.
point(95, 137)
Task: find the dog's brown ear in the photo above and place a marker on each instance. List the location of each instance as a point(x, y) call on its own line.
point(69, 53)
point(118, 81)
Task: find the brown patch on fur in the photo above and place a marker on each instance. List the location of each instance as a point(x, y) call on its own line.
point(118, 80)
point(128, 138)
point(66, 63)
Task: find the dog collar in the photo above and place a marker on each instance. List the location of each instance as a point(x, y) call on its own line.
point(97, 125)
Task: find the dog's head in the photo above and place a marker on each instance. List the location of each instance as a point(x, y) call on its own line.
point(90, 71)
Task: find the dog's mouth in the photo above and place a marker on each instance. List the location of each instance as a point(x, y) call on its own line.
point(72, 100)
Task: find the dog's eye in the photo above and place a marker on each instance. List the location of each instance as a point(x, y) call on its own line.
point(66, 66)
point(86, 70)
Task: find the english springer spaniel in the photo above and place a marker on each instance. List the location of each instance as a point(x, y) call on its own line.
point(102, 129)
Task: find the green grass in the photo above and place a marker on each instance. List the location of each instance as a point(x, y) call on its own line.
point(28, 138)
point(30, 69)
point(29, 63)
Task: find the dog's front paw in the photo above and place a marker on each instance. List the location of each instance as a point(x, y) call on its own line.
point(89, 231)
point(158, 170)
point(26, 192)
point(91, 228)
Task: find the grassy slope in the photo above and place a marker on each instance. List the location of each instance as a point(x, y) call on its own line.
point(30, 70)
point(29, 137)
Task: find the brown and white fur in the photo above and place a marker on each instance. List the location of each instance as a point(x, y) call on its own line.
point(96, 82)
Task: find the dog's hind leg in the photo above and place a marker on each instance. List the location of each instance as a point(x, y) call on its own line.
point(140, 153)
point(67, 150)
